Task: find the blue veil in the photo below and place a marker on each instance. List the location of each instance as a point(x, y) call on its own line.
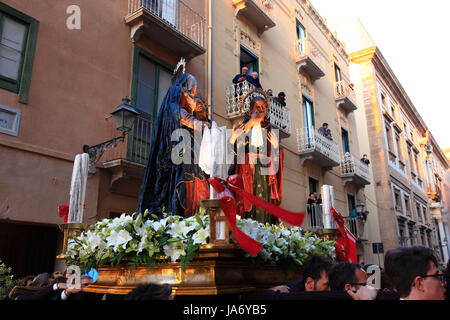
point(162, 176)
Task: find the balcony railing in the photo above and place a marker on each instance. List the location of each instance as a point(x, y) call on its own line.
point(345, 96)
point(309, 59)
point(259, 12)
point(172, 23)
point(136, 146)
point(357, 227)
point(314, 146)
point(314, 217)
point(237, 105)
point(354, 170)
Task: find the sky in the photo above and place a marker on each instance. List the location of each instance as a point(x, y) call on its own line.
point(413, 38)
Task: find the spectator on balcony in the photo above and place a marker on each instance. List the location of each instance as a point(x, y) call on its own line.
point(365, 159)
point(311, 198)
point(281, 99)
point(325, 131)
point(353, 214)
point(270, 94)
point(254, 80)
point(241, 76)
point(319, 200)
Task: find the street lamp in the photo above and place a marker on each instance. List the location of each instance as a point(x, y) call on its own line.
point(124, 117)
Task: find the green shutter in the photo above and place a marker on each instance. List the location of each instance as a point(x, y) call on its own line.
point(22, 85)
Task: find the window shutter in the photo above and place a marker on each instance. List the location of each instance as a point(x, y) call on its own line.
point(11, 48)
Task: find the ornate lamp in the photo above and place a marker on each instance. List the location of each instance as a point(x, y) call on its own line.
point(124, 117)
point(219, 232)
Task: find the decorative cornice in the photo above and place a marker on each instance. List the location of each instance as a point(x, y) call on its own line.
point(321, 24)
point(374, 55)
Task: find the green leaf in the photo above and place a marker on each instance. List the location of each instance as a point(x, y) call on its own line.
point(199, 221)
point(154, 216)
point(138, 221)
point(173, 240)
point(146, 212)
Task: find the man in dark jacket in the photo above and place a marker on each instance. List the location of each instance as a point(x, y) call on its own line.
point(254, 80)
point(241, 76)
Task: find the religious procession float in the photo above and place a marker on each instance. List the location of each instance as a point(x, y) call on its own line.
point(208, 218)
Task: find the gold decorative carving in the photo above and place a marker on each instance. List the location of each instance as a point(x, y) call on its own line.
point(217, 269)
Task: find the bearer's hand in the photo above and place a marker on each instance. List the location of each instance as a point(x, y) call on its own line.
point(364, 293)
point(281, 289)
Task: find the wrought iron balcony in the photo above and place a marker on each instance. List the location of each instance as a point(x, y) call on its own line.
point(357, 227)
point(355, 171)
point(345, 96)
point(258, 12)
point(129, 158)
point(237, 106)
point(314, 146)
point(171, 23)
point(308, 59)
point(314, 216)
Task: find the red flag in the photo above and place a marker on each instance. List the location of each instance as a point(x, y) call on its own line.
point(229, 207)
point(64, 212)
point(346, 244)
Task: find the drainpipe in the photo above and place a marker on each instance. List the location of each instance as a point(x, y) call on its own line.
point(210, 58)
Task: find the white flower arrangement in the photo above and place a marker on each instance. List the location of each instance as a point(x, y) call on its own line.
point(173, 238)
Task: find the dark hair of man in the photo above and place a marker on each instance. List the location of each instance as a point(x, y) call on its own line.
point(41, 280)
point(325, 124)
point(310, 194)
point(26, 279)
point(151, 291)
point(386, 282)
point(341, 274)
point(403, 264)
point(314, 265)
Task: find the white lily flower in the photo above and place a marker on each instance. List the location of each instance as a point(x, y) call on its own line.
point(200, 236)
point(180, 228)
point(174, 250)
point(116, 239)
point(94, 240)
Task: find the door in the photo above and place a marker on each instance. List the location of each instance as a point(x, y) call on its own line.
point(308, 120)
point(249, 60)
point(301, 39)
point(313, 185)
point(345, 144)
point(169, 9)
point(153, 81)
point(338, 77)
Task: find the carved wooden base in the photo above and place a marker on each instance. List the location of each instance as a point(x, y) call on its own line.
point(217, 269)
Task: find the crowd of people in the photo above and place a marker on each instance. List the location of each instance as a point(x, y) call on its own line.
point(410, 273)
point(254, 80)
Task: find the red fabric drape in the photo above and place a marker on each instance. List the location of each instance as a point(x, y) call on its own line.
point(346, 244)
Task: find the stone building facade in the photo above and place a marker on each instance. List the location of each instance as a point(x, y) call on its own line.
point(408, 165)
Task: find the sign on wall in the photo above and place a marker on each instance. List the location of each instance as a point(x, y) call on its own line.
point(9, 120)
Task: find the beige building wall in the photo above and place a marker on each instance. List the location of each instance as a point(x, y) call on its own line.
point(275, 49)
point(399, 139)
point(78, 78)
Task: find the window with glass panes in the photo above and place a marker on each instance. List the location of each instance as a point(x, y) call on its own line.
point(152, 78)
point(18, 33)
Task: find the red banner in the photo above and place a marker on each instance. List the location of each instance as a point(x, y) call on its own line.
point(346, 244)
point(64, 212)
point(229, 206)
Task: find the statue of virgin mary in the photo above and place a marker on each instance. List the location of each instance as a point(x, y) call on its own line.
point(163, 186)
